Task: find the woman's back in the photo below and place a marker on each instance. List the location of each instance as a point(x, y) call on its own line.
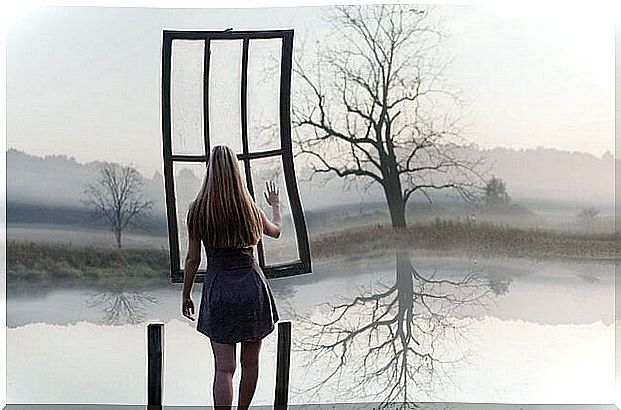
point(237, 304)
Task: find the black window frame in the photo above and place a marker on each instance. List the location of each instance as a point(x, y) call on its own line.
point(303, 264)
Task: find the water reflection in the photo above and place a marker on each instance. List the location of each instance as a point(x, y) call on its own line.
point(121, 305)
point(392, 340)
point(520, 333)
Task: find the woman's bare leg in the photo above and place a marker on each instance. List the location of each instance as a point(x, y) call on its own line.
point(250, 372)
point(225, 362)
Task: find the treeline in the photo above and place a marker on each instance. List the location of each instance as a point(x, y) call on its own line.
point(74, 217)
point(43, 262)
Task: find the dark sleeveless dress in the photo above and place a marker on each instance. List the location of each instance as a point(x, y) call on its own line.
point(237, 303)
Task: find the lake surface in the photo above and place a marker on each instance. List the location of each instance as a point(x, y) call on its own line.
point(431, 328)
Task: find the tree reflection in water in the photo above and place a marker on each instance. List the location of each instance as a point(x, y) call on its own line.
point(121, 305)
point(392, 337)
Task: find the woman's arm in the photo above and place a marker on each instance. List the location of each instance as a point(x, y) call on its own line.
point(272, 228)
point(192, 262)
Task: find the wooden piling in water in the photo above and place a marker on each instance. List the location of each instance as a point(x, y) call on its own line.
point(155, 355)
point(283, 359)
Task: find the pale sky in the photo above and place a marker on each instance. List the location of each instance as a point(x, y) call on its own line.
point(85, 81)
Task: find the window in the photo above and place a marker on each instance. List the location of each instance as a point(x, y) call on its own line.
point(231, 87)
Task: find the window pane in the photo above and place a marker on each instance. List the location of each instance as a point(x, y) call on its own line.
point(188, 180)
point(225, 93)
point(284, 248)
point(264, 94)
point(186, 95)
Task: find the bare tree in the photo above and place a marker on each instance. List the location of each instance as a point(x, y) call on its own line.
point(587, 218)
point(373, 107)
point(117, 197)
point(587, 215)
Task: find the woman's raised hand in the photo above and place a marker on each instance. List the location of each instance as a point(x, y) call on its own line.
point(271, 196)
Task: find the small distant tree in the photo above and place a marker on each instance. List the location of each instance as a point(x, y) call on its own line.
point(495, 194)
point(116, 196)
point(587, 215)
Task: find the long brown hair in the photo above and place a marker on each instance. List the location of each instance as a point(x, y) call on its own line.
point(223, 214)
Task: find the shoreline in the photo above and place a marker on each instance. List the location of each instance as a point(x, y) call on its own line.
point(49, 263)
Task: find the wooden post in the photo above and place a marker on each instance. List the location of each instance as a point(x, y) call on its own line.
point(154, 362)
point(281, 395)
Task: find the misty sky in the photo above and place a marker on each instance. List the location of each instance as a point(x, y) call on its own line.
point(85, 81)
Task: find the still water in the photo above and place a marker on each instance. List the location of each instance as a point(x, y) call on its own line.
point(394, 327)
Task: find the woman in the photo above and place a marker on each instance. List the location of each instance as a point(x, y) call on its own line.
point(237, 304)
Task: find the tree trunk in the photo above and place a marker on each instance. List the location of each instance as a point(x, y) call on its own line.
point(118, 238)
point(396, 204)
point(405, 286)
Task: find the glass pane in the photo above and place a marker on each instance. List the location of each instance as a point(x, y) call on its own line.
point(188, 180)
point(225, 93)
point(186, 97)
point(264, 94)
point(284, 248)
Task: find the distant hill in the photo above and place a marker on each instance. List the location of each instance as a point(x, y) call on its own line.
point(553, 175)
point(539, 174)
point(58, 180)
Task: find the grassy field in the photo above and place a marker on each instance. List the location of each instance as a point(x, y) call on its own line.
point(48, 262)
point(484, 239)
point(29, 261)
